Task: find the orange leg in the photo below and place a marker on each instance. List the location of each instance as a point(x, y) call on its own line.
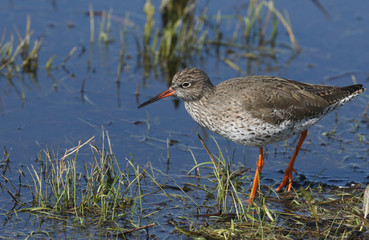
point(259, 165)
point(288, 173)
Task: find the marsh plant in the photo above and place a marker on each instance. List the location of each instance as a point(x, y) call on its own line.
point(324, 212)
point(19, 56)
point(96, 191)
point(187, 31)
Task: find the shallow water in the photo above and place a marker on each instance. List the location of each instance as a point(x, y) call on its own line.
point(56, 114)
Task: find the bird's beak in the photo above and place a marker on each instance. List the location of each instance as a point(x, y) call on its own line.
point(166, 93)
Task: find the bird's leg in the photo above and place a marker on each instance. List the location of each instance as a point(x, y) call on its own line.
point(288, 173)
point(259, 166)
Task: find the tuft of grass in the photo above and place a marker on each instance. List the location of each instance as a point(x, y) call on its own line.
point(320, 213)
point(149, 10)
point(180, 36)
point(184, 34)
point(229, 191)
point(262, 19)
point(325, 212)
point(105, 25)
point(19, 57)
point(99, 192)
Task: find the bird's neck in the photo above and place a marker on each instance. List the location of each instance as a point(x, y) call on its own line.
point(198, 108)
point(208, 90)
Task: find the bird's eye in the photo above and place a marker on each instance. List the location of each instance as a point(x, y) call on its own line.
point(185, 85)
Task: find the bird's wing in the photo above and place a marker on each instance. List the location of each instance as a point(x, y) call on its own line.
point(276, 100)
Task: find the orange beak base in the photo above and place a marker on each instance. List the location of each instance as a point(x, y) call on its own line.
point(166, 93)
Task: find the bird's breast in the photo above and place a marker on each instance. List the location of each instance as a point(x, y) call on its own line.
point(242, 127)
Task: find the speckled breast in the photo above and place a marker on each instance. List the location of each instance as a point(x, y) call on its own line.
point(242, 128)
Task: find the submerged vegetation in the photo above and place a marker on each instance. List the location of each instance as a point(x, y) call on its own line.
point(100, 194)
point(21, 57)
point(184, 34)
point(117, 201)
point(305, 214)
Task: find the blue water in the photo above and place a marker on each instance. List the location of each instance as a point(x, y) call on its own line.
point(56, 114)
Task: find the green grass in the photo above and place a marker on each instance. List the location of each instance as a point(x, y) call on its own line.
point(97, 191)
point(93, 191)
point(314, 213)
point(184, 34)
point(21, 56)
point(227, 180)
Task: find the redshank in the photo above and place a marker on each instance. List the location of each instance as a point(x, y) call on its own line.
point(257, 110)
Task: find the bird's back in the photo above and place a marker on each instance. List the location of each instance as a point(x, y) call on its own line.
point(277, 99)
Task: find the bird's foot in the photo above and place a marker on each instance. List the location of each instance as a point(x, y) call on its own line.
point(286, 179)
